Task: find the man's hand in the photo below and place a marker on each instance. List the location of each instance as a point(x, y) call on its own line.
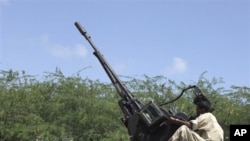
point(171, 119)
point(180, 122)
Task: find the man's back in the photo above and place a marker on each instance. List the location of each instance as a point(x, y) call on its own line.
point(208, 127)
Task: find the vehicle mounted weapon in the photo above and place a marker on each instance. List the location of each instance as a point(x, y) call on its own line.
point(148, 122)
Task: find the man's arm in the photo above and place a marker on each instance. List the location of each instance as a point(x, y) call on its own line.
point(181, 122)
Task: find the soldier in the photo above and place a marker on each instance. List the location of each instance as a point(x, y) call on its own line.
point(203, 128)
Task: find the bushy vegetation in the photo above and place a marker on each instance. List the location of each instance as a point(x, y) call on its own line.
point(60, 108)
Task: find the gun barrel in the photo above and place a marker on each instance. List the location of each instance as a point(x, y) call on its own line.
point(123, 91)
point(128, 103)
point(86, 35)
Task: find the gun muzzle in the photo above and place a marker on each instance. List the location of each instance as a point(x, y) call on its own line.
point(82, 30)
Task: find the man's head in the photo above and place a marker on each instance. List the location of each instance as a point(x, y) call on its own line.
point(203, 105)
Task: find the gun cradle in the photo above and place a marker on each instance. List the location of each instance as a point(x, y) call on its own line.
point(152, 116)
point(150, 124)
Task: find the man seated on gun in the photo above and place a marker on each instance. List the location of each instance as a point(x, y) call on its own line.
point(203, 128)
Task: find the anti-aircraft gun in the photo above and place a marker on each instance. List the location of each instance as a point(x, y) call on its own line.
point(148, 122)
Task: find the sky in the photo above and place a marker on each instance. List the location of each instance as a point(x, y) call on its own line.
point(177, 39)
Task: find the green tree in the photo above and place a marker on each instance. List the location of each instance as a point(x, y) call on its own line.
point(60, 108)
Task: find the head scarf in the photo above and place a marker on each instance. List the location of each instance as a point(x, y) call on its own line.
point(203, 102)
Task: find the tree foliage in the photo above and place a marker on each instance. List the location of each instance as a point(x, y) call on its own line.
point(61, 108)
